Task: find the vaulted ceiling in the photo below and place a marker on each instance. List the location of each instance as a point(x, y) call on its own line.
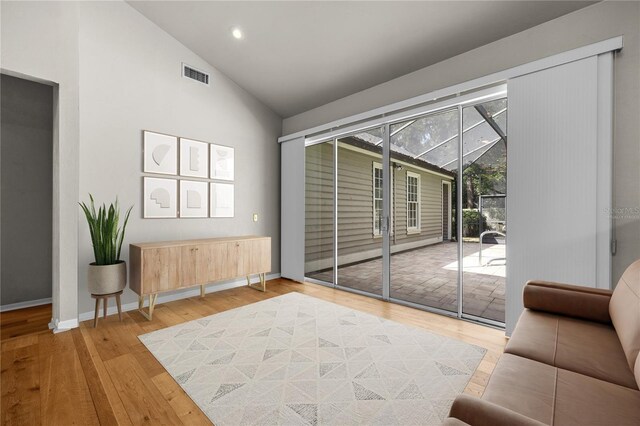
point(295, 56)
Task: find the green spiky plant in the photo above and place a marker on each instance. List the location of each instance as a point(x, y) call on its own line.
point(106, 236)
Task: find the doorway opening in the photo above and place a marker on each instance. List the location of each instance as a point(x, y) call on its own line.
point(27, 133)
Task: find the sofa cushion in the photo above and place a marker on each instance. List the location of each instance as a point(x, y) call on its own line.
point(587, 303)
point(582, 400)
point(559, 397)
point(585, 347)
point(479, 412)
point(624, 310)
point(524, 386)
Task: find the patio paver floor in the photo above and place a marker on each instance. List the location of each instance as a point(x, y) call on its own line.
point(429, 276)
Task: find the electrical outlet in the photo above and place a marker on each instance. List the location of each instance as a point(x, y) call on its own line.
point(255, 217)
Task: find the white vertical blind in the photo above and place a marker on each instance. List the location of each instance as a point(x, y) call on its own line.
point(553, 168)
point(292, 209)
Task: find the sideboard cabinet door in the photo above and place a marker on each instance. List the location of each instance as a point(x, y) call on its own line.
point(260, 255)
point(161, 271)
point(189, 267)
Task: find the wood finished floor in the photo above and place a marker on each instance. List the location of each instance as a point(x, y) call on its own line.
point(105, 376)
point(24, 321)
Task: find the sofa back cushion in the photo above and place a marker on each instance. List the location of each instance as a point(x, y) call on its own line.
point(624, 310)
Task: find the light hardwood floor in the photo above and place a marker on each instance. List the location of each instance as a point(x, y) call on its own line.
point(106, 376)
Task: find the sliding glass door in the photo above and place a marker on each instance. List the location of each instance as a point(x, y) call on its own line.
point(319, 212)
point(360, 224)
point(423, 153)
point(484, 210)
point(414, 210)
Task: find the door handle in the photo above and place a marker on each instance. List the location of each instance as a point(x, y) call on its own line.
point(385, 224)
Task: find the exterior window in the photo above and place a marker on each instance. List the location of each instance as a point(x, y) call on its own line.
point(413, 202)
point(377, 198)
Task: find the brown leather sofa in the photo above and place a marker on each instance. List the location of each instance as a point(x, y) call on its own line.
point(572, 360)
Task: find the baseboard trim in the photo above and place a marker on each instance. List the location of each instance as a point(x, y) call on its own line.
point(65, 325)
point(193, 292)
point(27, 304)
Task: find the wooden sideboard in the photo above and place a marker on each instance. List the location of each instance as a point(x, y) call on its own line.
point(173, 265)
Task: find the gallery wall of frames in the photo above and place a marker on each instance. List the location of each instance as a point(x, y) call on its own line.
point(186, 178)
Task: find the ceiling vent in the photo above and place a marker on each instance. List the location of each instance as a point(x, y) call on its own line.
point(195, 74)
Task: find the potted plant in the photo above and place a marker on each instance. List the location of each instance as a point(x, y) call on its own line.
point(108, 274)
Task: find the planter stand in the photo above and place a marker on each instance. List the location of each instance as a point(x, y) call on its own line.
point(105, 299)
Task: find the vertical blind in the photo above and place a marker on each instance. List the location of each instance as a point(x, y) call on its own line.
point(558, 164)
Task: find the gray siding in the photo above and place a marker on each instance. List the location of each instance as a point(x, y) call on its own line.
point(355, 205)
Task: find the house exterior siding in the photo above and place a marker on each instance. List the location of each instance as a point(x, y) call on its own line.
point(356, 238)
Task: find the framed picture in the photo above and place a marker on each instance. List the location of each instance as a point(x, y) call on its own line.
point(221, 199)
point(194, 158)
point(222, 158)
point(160, 198)
point(194, 199)
point(160, 153)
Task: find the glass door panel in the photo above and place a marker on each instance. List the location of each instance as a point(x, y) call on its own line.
point(423, 170)
point(319, 212)
point(484, 222)
point(360, 224)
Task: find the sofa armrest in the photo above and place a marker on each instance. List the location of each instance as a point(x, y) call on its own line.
point(477, 412)
point(586, 303)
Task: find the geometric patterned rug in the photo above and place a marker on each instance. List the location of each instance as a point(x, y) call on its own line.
point(298, 360)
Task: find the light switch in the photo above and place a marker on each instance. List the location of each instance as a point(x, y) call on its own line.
point(255, 217)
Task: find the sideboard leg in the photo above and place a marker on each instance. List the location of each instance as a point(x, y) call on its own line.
point(261, 286)
point(202, 291)
point(152, 304)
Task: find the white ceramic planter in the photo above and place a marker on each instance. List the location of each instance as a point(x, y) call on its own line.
point(106, 279)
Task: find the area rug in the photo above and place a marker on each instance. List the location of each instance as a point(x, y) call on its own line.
point(299, 360)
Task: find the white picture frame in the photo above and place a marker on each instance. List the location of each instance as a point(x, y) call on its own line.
point(194, 199)
point(221, 162)
point(160, 198)
point(194, 158)
point(160, 153)
point(221, 200)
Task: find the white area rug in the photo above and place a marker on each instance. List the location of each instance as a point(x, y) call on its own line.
point(298, 360)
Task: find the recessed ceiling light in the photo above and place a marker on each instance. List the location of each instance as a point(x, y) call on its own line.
point(237, 33)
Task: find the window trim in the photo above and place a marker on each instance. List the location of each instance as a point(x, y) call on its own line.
point(376, 166)
point(446, 183)
point(414, 229)
point(378, 233)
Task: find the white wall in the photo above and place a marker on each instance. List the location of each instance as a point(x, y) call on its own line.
point(39, 41)
point(130, 79)
point(592, 24)
point(128, 74)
